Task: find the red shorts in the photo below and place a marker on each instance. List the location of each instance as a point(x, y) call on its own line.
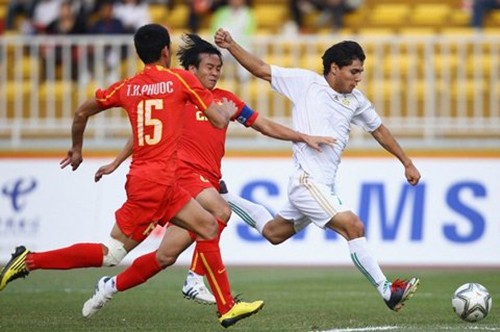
point(194, 181)
point(148, 204)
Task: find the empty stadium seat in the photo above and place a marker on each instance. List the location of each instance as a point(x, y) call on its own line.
point(177, 18)
point(432, 15)
point(493, 19)
point(270, 17)
point(158, 13)
point(481, 62)
point(25, 67)
point(58, 90)
point(394, 14)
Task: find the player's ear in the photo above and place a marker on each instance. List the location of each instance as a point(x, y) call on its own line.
point(192, 68)
point(334, 68)
point(165, 53)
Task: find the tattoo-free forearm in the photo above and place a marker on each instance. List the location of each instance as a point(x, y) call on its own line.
point(124, 153)
point(276, 130)
point(389, 143)
point(250, 62)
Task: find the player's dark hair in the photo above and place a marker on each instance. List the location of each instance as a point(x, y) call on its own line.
point(149, 41)
point(194, 46)
point(342, 54)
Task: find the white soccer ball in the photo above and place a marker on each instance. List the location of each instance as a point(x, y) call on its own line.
point(471, 302)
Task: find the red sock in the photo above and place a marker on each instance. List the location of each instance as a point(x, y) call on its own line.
point(75, 256)
point(209, 255)
point(197, 266)
point(139, 272)
point(221, 227)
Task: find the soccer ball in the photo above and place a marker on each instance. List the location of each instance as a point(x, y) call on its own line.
point(471, 302)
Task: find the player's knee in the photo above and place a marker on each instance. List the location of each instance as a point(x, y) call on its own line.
point(222, 213)
point(209, 230)
point(165, 259)
point(273, 237)
point(274, 240)
point(116, 253)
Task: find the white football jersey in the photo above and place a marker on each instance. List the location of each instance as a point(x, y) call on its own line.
point(320, 111)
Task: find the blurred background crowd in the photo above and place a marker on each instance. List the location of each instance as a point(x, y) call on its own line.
point(432, 66)
point(245, 17)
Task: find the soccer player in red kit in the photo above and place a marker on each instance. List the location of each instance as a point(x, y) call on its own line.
point(154, 100)
point(201, 150)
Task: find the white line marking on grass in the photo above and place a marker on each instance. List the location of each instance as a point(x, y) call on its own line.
point(387, 328)
point(361, 329)
point(469, 328)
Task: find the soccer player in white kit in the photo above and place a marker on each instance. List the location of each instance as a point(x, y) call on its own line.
point(324, 105)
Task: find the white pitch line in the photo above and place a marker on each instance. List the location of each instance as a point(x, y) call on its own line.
point(361, 329)
point(387, 328)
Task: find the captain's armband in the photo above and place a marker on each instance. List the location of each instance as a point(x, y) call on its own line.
point(246, 116)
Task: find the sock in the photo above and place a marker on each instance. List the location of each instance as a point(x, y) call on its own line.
point(196, 266)
point(210, 257)
point(75, 256)
point(255, 215)
point(139, 272)
point(110, 287)
point(367, 264)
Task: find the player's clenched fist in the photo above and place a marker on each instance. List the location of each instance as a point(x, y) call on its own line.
point(223, 38)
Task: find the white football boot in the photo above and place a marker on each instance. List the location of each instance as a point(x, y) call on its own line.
point(194, 289)
point(98, 300)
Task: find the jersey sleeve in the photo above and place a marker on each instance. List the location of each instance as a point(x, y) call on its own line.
point(366, 117)
point(110, 97)
point(289, 82)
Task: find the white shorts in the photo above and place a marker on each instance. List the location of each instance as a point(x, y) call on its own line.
point(310, 201)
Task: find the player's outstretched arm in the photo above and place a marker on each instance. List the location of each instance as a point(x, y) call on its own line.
point(252, 63)
point(120, 158)
point(82, 114)
point(388, 142)
point(278, 131)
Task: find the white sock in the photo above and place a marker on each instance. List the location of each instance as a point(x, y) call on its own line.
point(110, 287)
point(254, 215)
point(367, 265)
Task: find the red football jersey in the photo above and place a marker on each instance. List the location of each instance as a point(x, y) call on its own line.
point(202, 146)
point(155, 101)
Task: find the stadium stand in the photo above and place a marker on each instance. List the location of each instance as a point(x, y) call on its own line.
point(428, 73)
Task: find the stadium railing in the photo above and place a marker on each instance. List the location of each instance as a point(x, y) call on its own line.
point(433, 90)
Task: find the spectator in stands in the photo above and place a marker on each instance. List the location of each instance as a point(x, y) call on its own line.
point(238, 18)
point(85, 8)
point(332, 12)
point(132, 13)
point(106, 24)
point(41, 14)
point(198, 10)
point(15, 8)
point(66, 23)
point(479, 10)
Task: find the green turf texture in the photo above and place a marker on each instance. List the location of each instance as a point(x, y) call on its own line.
point(296, 299)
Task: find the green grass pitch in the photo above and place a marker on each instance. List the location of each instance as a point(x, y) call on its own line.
point(297, 299)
